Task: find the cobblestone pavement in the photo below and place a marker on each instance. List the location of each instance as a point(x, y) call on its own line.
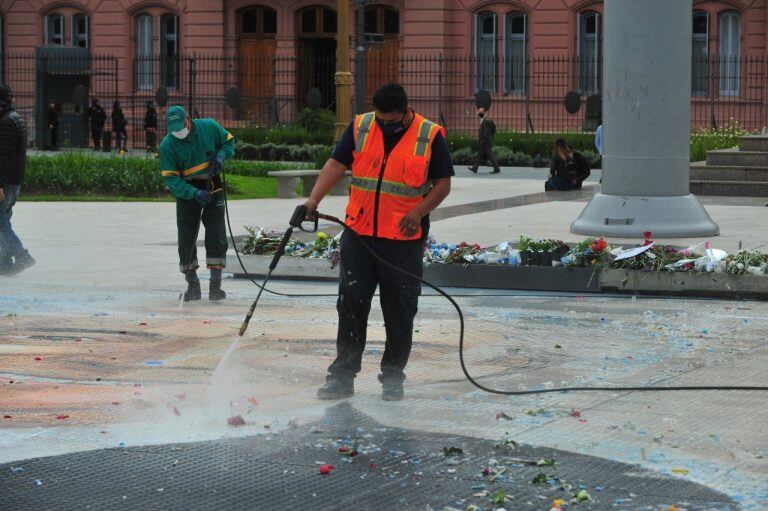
point(91, 368)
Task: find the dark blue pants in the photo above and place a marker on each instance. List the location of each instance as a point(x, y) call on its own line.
point(399, 297)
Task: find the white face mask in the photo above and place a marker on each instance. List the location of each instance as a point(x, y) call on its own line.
point(181, 134)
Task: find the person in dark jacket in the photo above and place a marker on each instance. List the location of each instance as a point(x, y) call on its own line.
point(119, 123)
point(150, 127)
point(14, 258)
point(485, 143)
point(96, 117)
point(52, 121)
point(567, 168)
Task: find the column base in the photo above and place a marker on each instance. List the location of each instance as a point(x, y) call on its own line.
point(680, 216)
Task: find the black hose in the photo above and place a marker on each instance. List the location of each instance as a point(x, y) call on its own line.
point(460, 314)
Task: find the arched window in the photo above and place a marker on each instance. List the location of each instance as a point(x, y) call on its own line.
point(258, 22)
point(729, 44)
point(516, 52)
point(590, 52)
point(317, 21)
point(485, 51)
point(380, 19)
point(144, 76)
point(700, 62)
point(53, 29)
point(81, 31)
point(169, 51)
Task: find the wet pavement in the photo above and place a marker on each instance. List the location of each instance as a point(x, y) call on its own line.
point(106, 373)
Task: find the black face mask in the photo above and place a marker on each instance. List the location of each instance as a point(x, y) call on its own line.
point(481, 115)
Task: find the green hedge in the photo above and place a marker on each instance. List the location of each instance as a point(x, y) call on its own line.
point(84, 174)
point(280, 152)
point(704, 140)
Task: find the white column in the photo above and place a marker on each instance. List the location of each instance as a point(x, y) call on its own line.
point(646, 125)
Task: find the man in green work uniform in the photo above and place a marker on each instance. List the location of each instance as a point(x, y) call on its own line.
point(192, 156)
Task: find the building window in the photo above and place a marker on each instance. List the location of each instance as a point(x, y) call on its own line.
point(485, 51)
point(258, 22)
point(516, 56)
point(169, 51)
point(590, 39)
point(2, 50)
point(144, 52)
point(729, 44)
point(318, 21)
point(54, 29)
point(382, 20)
point(81, 32)
point(700, 62)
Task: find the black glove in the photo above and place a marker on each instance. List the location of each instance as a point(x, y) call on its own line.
point(203, 197)
point(216, 165)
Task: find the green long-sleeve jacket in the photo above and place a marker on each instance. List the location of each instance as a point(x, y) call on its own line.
point(184, 160)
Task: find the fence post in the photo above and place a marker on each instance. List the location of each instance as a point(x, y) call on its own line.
point(528, 120)
point(713, 89)
point(191, 85)
point(440, 115)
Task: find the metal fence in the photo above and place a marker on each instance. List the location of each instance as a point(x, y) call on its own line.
point(528, 93)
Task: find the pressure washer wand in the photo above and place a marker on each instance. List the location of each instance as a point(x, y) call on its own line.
point(299, 215)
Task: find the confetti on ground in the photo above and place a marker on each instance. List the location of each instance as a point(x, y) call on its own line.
point(236, 421)
point(62, 417)
point(326, 469)
point(176, 411)
point(502, 415)
point(681, 471)
point(38, 359)
point(575, 412)
point(153, 363)
point(253, 401)
point(142, 324)
point(17, 470)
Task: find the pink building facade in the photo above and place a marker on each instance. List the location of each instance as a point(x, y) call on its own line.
point(527, 53)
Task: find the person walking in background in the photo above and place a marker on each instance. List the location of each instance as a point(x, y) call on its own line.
point(150, 127)
point(599, 140)
point(14, 258)
point(119, 122)
point(96, 117)
point(485, 143)
point(52, 121)
point(567, 169)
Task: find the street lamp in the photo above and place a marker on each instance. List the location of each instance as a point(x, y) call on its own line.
point(360, 68)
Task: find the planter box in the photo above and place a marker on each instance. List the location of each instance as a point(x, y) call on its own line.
point(718, 285)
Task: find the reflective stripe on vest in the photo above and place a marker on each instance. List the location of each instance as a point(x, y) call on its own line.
point(369, 184)
point(422, 142)
point(363, 129)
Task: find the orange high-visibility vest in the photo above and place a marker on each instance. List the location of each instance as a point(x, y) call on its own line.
point(386, 186)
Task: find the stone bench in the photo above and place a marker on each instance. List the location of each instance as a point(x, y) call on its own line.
point(288, 180)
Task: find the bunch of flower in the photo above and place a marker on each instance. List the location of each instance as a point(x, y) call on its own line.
point(746, 261)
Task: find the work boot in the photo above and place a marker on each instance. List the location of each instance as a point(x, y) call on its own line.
point(473, 169)
point(336, 388)
point(193, 286)
point(392, 388)
point(215, 293)
point(23, 262)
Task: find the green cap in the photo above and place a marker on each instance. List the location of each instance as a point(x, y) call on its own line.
point(175, 118)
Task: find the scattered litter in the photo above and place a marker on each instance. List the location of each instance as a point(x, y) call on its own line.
point(142, 324)
point(115, 403)
point(153, 363)
point(486, 471)
point(546, 462)
point(38, 359)
point(176, 411)
point(17, 470)
point(478, 487)
point(557, 505)
point(582, 496)
point(498, 474)
point(500, 497)
point(6, 416)
point(575, 412)
point(534, 413)
point(502, 415)
point(62, 417)
point(452, 451)
point(541, 478)
point(38, 482)
point(558, 346)
point(253, 401)
point(236, 421)
point(181, 397)
point(681, 471)
point(121, 444)
point(326, 469)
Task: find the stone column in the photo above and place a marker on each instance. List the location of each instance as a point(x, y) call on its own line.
point(343, 72)
point(646, 125)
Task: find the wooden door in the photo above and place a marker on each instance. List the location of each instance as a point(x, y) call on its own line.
point(256, 77)
point(380, 68)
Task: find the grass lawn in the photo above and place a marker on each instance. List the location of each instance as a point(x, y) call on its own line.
point(247, 188)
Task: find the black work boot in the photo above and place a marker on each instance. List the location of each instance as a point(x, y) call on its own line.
point(193, 286)
point(392, 388)
point(215, 292)
point(336, 388)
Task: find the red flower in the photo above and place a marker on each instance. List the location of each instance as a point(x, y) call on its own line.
point(647, 235)
point(599, 245)
point(326, 469)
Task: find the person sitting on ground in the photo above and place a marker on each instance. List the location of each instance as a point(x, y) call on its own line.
point(567, 168)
